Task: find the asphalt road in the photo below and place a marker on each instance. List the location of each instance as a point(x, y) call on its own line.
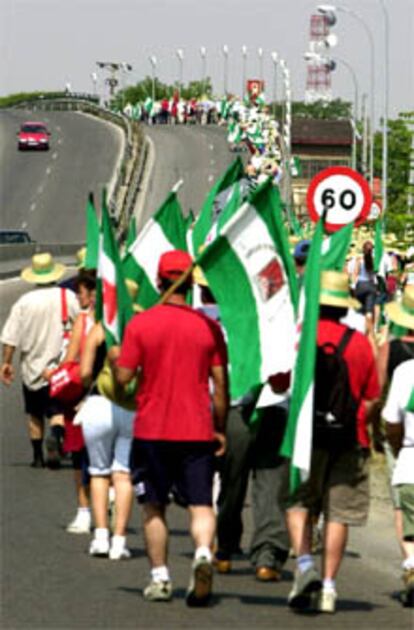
point(45, 192)
point(49, 581)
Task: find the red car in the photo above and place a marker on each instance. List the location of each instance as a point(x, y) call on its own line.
point(33, 135)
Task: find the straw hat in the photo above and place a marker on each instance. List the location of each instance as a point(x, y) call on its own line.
point(80, 257)
point(402, 313)
point(335, 290)
point(43, 270)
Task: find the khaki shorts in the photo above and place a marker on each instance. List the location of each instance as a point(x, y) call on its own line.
point(338, 486)
point(406, 492)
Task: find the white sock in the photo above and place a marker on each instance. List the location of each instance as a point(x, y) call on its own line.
point(101, 533)
point(408, 563)
point(84, 510)
point(160, 574)
point(328, 585)
point(203, 552)
point(304, 562)
point(118, 541)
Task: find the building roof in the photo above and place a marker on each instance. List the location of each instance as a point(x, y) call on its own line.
point(312, 131)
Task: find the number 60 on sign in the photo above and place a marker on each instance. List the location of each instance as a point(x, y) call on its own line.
point(343, 193)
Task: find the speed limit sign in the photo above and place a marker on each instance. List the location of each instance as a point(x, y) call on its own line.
point(343, 193)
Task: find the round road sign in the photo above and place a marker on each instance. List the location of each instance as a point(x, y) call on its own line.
point(343, 193)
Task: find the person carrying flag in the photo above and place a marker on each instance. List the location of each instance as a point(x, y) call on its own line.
point(346, 390)
point(175, 350)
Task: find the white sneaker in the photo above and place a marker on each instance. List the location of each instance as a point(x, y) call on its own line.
point(119, 550)
point(81, 524)
point(99, 547)
point(327, 601)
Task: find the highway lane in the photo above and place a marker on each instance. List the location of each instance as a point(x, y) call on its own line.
point(48, 580)
point(45, 192)
point(197, 155)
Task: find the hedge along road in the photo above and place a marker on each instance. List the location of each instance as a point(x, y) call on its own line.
point(49, 581)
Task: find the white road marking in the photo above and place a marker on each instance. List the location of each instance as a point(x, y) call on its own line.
point(59, 141)
point(54, 155)
point(211, 147)
point(48, 170)
point(33, 207)
point(212, 162)
point(24, 225)
point(40, 190)
point(211, 178)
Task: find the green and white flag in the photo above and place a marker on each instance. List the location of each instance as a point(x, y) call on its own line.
point(297, 442)
point(148, 105)
point(136, 111)
point(165, 231)
point(251, 274)
point(92, 235)
point(335, 249)
point(224, 109)
point(113, 303)
point(234, 134)
point(215, 201)
point(295, 166)
point(378, 245)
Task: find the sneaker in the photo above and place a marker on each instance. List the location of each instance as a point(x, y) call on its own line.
point(304, 587)
point(99, 548)
point(81, 524)
point(408, 594)
point(158, 591)
point(37, 463)
point(53, 452)
point(327, 601)
point(201, 582)
point(119, 550)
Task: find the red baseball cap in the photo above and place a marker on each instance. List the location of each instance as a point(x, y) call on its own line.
point(173, 264)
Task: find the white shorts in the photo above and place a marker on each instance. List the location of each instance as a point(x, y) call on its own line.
point(107, 429)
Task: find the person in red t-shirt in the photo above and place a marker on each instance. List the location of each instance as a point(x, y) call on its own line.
point(177, 353)
point(338, 480)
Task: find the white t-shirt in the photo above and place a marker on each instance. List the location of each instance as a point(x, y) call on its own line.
point(35, 327)
point(395, 412)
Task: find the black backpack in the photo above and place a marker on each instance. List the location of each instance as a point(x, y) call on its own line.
point(335, 408)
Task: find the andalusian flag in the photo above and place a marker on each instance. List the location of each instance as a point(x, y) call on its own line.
point(215, 201)
point(234, 134)
point(251, 274)
point(335, 249)
point(132, 232)
point(92, 235)
point(148, 105)
point(165, 231)
point(113, 304)
point(378, 245)
point(297, 442)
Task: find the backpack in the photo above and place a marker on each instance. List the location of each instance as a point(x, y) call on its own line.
point(335, 408)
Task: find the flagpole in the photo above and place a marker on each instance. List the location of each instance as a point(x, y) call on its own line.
point(184, 276)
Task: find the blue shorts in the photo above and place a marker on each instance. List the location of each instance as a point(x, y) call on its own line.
point(156, 466)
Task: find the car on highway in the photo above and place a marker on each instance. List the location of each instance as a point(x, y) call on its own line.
point(33, 135)
point(13, 237)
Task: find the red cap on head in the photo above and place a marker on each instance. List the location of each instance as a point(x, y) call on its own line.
point(173, 264)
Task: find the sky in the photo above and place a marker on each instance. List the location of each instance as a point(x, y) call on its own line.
point(45, 44)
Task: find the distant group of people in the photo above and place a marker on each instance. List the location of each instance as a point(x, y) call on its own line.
point(155, 420)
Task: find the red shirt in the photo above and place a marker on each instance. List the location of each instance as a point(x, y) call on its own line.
point(175, 347)
point(362, 369)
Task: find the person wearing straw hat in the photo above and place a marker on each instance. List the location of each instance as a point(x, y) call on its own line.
point(338, 481)
point(36, 326)
point(175, 350)
point(395, 350)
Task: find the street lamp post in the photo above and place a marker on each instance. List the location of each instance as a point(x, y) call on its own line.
point(180, 57)
point(287, 134)
point(244, 72)
point(260, 55)
point(384, 175)
point(203, 53)
point(330, 63)
point(225, 68)
point(153, 62)
point(330, 11)
point(275, 59)
point(94, 78)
